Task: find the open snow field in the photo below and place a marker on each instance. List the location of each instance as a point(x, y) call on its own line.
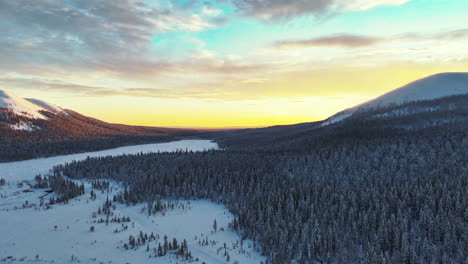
point(61, 234)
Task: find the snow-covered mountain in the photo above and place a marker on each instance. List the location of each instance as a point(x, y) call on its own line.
point(433, 87)
point(27, 113)
point(30, 108)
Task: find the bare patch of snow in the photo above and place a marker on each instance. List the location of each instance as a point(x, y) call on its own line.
point(24, 126)
point(337, 118)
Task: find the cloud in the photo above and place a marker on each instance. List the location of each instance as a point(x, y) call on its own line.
point(357, 41)
point(448, 35)
point(53, 37)
point(322, 81)
point(209, 10)
point(92, 27)
point(283, 9)
point(255, 80)
point(118, 72)
point(347, 41)
point(353, 5)
point(203, 91)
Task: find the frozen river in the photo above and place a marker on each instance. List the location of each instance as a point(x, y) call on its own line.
point(28, 169)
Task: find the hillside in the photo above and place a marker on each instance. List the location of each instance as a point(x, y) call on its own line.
point(20, 106)
point(426, 89)
point(32, 128)
point(434, 101)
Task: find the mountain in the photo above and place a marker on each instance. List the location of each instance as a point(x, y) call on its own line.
point(22, 107)
point(433, 87)
point(436, 101)
point(32, 128)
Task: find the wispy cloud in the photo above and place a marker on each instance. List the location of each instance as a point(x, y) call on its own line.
point(348, 41)
point(357, 41)
point(447, 35)
point(87, 90)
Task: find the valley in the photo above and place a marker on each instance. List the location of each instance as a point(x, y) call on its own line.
point(382, 182)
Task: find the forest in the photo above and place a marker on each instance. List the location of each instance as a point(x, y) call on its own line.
point(373, 196)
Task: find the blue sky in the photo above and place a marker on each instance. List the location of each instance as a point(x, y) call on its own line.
point(241, 33)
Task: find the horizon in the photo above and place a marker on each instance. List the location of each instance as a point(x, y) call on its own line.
point(224, 64)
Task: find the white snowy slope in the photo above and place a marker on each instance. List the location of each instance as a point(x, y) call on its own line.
point(28, 107)
point(20, 106)
point(429, 88)
point(45, 105)
point(34, 234)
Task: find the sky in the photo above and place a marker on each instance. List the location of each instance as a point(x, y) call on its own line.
point(224, 63)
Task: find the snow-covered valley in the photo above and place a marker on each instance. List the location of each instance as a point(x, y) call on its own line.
point(71, 232)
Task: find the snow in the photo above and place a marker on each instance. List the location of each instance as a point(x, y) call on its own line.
point(20, 106)
point(45, 105)
point(337, 118)
point(30, 232)
point(429, 88)
point(24, 126)
point(27, 232)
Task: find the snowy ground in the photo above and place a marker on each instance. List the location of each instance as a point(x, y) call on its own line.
point(61, 234)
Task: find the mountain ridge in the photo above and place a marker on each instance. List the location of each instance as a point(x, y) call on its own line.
point(428, 88)
point(21, 106)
